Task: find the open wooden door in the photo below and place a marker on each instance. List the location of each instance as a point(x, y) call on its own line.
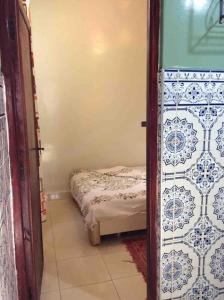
point(32, 216)
point(17, 69)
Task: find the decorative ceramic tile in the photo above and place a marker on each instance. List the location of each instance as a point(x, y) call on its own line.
point(217, 133)
point(207, 115)
point(193, 88)
point(183, 139)
point(178, 204)
point(220, 296)
point(216, 263)
point(215, 205)
point(220, 140)
point(192, 185)
point(218, 204)
point(8, 288)
point(193, 75)
point(205, 173)
point(202, 236)
point(178, 270)
point(202, 289)
point(181, 203)
point(214, 267)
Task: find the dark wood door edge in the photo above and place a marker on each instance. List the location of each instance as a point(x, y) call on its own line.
point(19, 154)
point(6, 50)
point(152, 144)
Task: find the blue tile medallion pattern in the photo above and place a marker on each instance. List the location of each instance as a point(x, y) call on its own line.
point(217, 263)
point(220, 140)
point(192, 185)
point(179, 205)
point(218, 205)
point(181, 140)
point(177, 268)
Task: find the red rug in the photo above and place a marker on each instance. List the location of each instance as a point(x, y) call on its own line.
point(138, 250)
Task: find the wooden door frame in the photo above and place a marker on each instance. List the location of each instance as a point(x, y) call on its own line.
point(152, 148)
point(18, 147)
point(6, 50)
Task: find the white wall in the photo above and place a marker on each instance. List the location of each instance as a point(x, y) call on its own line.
point(90, 61)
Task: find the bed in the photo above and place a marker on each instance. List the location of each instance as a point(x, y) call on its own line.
point(111, 200)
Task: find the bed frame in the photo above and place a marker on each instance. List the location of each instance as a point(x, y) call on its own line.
point(118, 225)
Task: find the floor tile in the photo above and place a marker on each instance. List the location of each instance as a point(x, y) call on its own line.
point(46, 228)
point(111, 245)
point(67, 245)
point(63, 211)
point(82, 271)
point(54, 204)
point(48, 242)
point(74, 229)
point(131, 288)
point(47, 232)
point(49, 252)
point(102, 291)
point(120, 264)
point(50, 278)
point(50, 296)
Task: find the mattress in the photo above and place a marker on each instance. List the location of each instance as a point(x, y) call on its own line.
point(116, 192)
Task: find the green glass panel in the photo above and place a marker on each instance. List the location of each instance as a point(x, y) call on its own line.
point(191, 36)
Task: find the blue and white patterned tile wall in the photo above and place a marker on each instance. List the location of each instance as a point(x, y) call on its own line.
point(8, 286)
point(192, 185)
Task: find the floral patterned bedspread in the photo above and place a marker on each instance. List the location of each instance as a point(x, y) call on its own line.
point(108, 193)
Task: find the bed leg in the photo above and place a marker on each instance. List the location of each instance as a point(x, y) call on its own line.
point(94, 235)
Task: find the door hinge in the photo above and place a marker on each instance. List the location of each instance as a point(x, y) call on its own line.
point(11, 29)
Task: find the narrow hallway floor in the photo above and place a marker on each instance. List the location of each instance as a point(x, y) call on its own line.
point(75, 270)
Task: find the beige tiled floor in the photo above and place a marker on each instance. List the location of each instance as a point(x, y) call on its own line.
point(75, 270)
